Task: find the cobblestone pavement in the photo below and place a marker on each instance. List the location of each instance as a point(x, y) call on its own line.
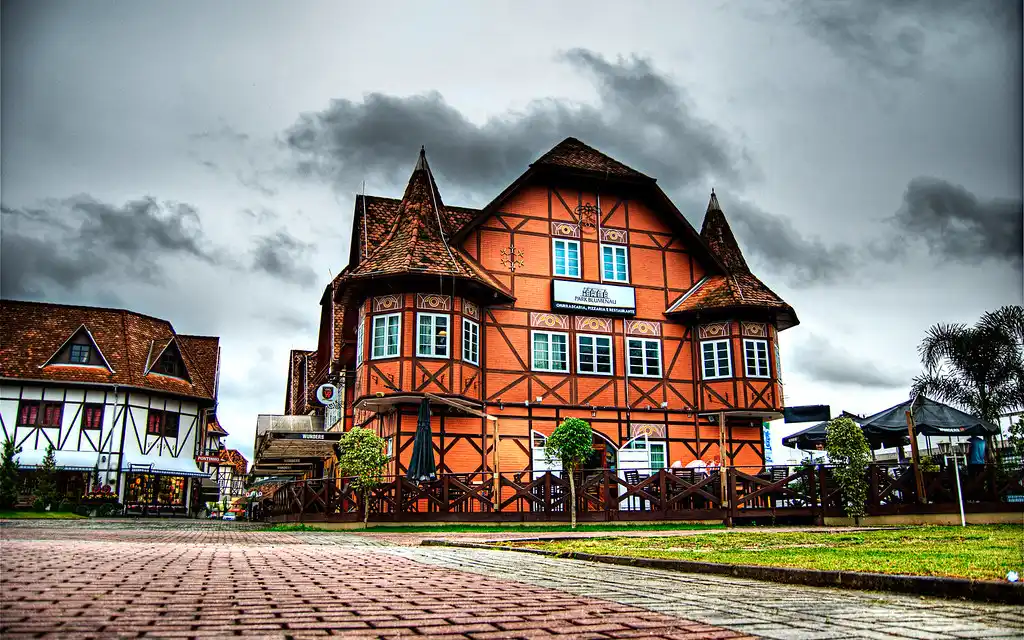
point(62, 582)
point(765, 609)
point(212, 579)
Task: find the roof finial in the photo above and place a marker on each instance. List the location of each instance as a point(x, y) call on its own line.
point(712, 191)
point(421, 163)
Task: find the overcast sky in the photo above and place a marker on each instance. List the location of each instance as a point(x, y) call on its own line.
point(198, 161)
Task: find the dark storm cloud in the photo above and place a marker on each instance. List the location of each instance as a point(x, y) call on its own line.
point(892, 35)
point(955, 224)
point(776, 243)
point(822, 361)
point(79, 239)
point(641, 116)
point(284, 257)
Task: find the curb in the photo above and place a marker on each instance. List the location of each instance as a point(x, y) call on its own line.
point(939, 587)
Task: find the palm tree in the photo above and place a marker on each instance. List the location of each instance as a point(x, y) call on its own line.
point(981, 368)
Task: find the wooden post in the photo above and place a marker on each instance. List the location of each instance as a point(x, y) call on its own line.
point(722, 459)
point(496, 465)
point(915, 461)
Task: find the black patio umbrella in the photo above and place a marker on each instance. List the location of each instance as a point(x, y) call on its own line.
point(814, 436)
point(931, 418)
point(422, 467)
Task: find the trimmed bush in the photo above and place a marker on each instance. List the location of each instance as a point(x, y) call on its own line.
point(39, 505)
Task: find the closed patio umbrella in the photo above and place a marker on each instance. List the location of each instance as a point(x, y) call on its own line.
point(422, 467)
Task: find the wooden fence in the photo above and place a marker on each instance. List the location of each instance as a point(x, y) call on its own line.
point(800, 493)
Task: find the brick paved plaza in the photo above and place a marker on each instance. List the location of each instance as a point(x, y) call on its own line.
point(212, 579)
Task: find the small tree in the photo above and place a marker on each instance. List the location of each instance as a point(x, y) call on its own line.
point(848, 450)
point(9, 474)
point(1017, 437)
point(571, 444)
point(46, 478)
point(363, 458)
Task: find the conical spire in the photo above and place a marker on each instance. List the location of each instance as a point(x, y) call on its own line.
point(719, 237)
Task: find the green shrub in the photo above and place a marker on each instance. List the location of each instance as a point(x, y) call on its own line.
point(848, 450)
point(928, 464)
point(9, 474)
point(109, 510)
point(66, 506)
point(82, 510)
point(39, 505)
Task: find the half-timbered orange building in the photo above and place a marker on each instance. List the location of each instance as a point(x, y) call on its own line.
point(580, 290)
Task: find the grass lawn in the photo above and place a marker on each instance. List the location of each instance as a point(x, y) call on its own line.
point(38, 515)
point(982, 552)
point(464, 528)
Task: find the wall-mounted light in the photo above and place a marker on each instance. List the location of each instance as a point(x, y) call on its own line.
point(664, 405)
point(593, 411)
point(540, 399)
point(501, 405)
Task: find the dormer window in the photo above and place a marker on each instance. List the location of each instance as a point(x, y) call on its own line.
point(79, 354)
point(169, 363)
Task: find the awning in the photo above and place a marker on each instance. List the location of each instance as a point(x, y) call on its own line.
point(162, 466)
point(66, 460)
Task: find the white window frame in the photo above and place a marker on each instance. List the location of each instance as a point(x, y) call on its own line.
point(579, 355)
point(614, 247)
point(728, 357)
point(359, 341)
point(420, 316)
point(533, 353)
point(758, 361)
point(384, 318)
point(579, 258)
point(643, 342)
point(467, 326)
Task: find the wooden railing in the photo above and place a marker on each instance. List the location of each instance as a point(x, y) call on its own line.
point(809, 493)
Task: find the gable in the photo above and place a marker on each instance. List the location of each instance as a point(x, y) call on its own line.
point(168, 362)
point(80, 349)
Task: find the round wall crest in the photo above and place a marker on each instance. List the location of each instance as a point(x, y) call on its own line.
point(327, 393)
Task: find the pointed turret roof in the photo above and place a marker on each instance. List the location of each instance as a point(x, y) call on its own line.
point(418, 240)
point(718, 235)
point(738, 287)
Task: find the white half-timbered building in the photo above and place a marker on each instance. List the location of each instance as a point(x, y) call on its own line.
point(126, 402)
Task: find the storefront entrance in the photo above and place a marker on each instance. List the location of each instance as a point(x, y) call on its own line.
point(151, 490)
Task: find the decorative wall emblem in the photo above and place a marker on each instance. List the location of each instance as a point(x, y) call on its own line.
point(587, 323)
point(565, 229)
point(716, 330)
point(586, 215)
point(511, 257)
point(470, 309)
point(643, 328)
point(549, 320)
point(616, 236)
point(387, 303)
point(754, 329)
point(648, 429)
point(433, 302)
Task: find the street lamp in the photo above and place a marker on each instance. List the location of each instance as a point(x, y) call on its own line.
point(955, 451)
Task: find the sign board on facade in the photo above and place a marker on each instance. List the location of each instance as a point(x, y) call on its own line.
point(593, 297)
point(330, 437)
point(208, 459)
point(326, 393)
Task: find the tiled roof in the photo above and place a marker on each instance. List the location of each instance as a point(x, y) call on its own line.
point(235, 458)
point(415, 244)
point(213, 426)
point(33, 331)
point(297, 397)
point(738, 287)
point(381, 214)
point(573, 154)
